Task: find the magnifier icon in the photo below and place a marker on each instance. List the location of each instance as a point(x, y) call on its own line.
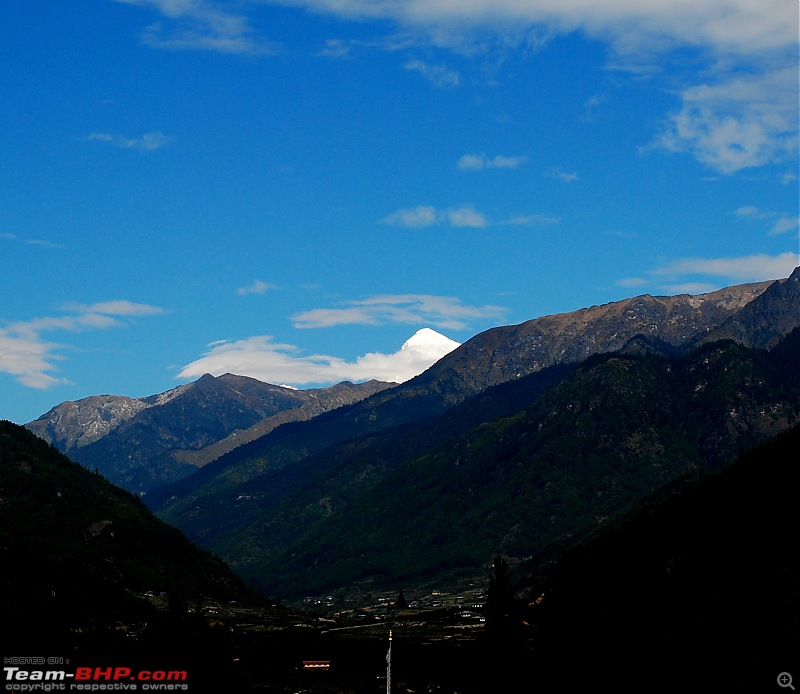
point(785, 680)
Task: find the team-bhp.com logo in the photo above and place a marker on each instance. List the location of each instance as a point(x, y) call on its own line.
point(94, 679)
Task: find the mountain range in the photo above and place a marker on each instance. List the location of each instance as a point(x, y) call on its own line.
point(139, 443)
point(523, 437)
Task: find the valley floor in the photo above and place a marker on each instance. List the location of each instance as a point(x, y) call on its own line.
point(233, 649)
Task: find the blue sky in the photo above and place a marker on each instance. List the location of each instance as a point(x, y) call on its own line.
point(291, 189)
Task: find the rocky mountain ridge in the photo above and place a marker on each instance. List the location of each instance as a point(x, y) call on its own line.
point(141, 442)
point(504, 353)
point(75, 424)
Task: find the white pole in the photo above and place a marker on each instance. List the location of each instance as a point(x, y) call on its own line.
point(389, 665)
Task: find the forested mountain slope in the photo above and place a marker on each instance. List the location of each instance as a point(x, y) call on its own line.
point(438, 498)
point(74, 547)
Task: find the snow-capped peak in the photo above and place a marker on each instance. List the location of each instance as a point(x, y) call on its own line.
point(428, 344)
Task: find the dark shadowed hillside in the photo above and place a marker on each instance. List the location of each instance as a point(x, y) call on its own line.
point(698, 584)
point(74, 548)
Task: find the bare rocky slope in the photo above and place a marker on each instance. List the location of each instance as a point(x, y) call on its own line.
point(509, 352)
point(139, 443)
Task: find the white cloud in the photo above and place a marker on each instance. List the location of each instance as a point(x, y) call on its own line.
point(329, 317)
point(116, 308)
point(753, 268)
point(780, 224)
point(592, 107)
point(738, 123)
point(743, 115)
point(632, 282)
point(148, 142)
point(477, 162)
point(31, 242)
point(426, 215)
point(784, 225)
point(747, 211)
point(30, 359)
point(336, 48)
point(689, 288)
point(256, 287)
point(438, 75)
point(444, 312)
point(473, 162)
point(413, 217)
point(201, 25)
point(565, 176)
point(259, 357)
point(703, 275)
point(466, 217)
point(727, 25)
point(531, 220)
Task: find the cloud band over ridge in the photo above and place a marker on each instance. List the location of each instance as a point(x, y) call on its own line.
point(261, 358)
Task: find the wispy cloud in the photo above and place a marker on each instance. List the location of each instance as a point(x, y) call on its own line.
point(255, 287)
point(784, 225)
point(738, 118)
point(443, 312)
point(727, 25)
point(750, 212)
point(778, 223)
point(752, 268)
point(336, 49)
point(426, 215)
point(202, 25)
point(413, 217)
point(632, 282)
point(701, 275)
point(439, 76)
point(31, 242)
point(533, 220)
point(115, 308)
point(148, 142)
point(259, 357)
point(477, 162)
point(27, 356)
point(592, 107)
point(729, 123)
point(561, 175)
point(468, 217)
point(465, 217)
point(788, 178)
point(28, 359)
point(738, 123)
point(742, 115)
